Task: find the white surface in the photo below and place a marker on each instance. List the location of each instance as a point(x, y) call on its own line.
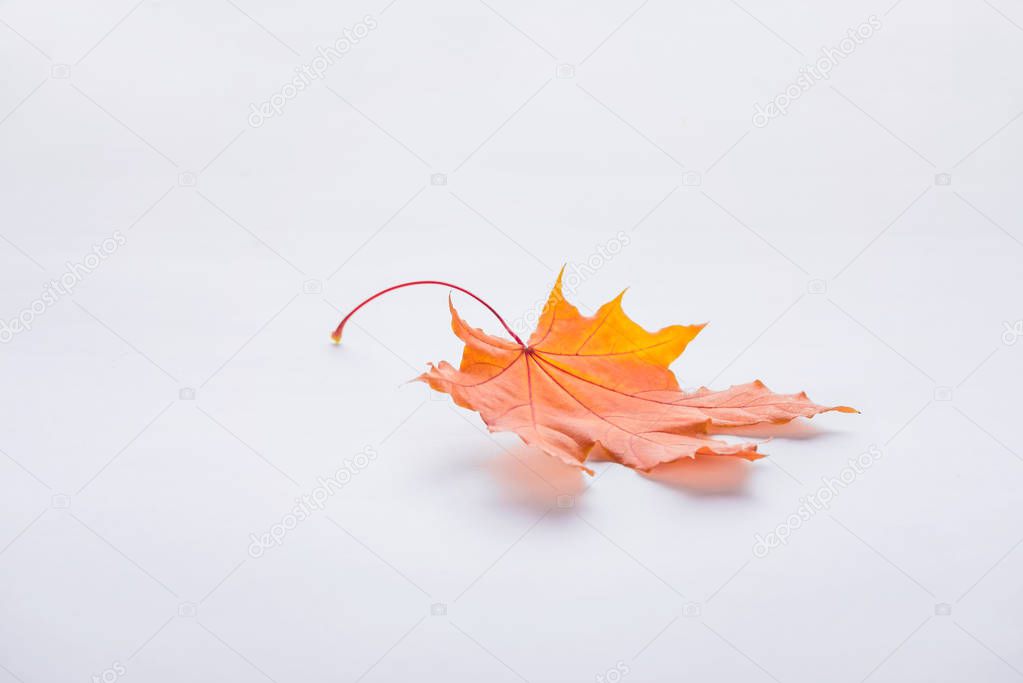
point(207, 293)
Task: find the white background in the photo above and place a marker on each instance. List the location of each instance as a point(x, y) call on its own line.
point(127, 511)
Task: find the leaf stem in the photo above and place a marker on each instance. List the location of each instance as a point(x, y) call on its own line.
point(336, 335)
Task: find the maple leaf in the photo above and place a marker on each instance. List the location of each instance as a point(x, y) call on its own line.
point(601, 382)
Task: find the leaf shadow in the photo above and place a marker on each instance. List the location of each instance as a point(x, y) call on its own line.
point(704, 475)
point(532, 479)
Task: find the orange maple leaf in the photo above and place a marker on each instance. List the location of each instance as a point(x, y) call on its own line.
point(583, 383)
